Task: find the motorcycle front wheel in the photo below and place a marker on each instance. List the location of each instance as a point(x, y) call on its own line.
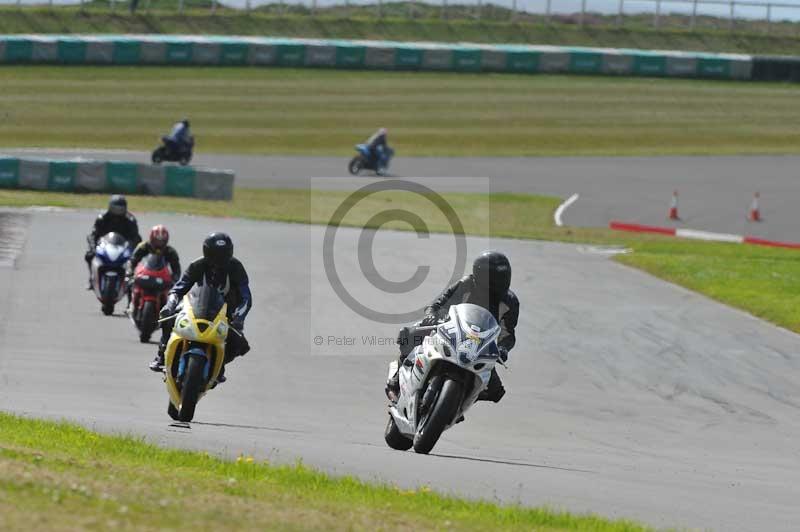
point(158, 156)
point(442, 413)
point(147, 321)
point(192, 386)
point(173, 412)
point(356, 164)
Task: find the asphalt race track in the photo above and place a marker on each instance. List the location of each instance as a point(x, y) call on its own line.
point(627, 396)
point(715, 192)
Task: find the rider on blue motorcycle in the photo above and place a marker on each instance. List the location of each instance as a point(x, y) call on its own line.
point(379, 148)
point(180, 138)
point(488, 287)
point(116, 219)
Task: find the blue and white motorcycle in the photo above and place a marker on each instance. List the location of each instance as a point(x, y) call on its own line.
point(108, 270)
point(367, 159)
point(442, 378)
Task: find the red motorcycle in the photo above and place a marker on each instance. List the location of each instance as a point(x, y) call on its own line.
point(151, 283)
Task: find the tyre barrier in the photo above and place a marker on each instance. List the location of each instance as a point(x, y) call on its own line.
point(82, 175)
point(378, 55)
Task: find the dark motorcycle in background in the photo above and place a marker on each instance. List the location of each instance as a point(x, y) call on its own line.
point(171, 152)
point(151, 283)
point(108, 270)
point(368, 159)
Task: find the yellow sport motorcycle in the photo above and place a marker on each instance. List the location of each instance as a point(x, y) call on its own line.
point(196, 350)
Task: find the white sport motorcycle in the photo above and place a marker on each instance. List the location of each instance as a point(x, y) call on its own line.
point(442, 378)
point(108, 270)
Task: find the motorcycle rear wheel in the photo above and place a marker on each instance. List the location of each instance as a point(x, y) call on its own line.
point(442, 414)
point(356, 165)
point(394, 438)
point(192, 386)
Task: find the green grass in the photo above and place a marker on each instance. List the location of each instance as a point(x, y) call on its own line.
point(354, 22)
point(286, 111)
point(58, 476)
point(762, 281)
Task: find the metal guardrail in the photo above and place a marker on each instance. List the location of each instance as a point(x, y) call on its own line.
point(730, 13)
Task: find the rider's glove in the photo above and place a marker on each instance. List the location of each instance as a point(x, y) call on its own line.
point(169, 308)
point(89, 255)
point(503, 352)
point(428, 320)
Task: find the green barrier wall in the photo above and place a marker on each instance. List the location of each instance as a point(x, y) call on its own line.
point(388, 55)
point(83, 175)
point(9, 173)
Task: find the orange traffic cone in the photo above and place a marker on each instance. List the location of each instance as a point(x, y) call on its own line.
point(755, 212)
point(673, 207)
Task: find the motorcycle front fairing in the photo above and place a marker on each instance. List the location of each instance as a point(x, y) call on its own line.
point(201, 328)
point(108, 265)
point(364, 150)
point(471, 356)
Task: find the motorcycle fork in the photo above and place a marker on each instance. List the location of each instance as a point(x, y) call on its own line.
point(430, 394)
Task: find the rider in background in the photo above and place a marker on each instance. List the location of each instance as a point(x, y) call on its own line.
point(220, 269)
point(379, 146)
point(158, 244)
point(116, 219)
point(180, 137)
point(488, 287)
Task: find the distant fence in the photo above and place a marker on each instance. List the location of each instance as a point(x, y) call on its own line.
point(753, 15)
point(81, 175)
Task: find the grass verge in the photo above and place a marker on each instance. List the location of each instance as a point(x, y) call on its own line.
point(762, 281)
point(426, 24)
point(318, 112)
point(58, 476)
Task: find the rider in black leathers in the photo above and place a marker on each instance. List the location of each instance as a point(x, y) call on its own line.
point(116, 219)
point(220, 269)
point(488, 287)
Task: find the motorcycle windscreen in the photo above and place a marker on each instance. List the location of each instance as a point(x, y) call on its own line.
point(479, 330)
point(114, 239)
point(206, 302)
point(154, 262)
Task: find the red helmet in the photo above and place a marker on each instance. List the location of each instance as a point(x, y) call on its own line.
point(159, 237)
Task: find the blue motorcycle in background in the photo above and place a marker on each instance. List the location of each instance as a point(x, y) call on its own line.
point(367, 159)
point(108, 270)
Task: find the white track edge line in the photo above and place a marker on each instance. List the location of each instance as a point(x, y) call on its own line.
point(561, 208)
point(707, 235)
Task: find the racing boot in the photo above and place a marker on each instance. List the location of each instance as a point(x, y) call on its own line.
point(494, 389)
point(157, 364)
point(393, 387)
point(220, 378)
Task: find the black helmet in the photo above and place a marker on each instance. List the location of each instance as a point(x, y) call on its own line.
point(218, 249)
point(493, 271)
point(118, 205)
point(185, 122)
